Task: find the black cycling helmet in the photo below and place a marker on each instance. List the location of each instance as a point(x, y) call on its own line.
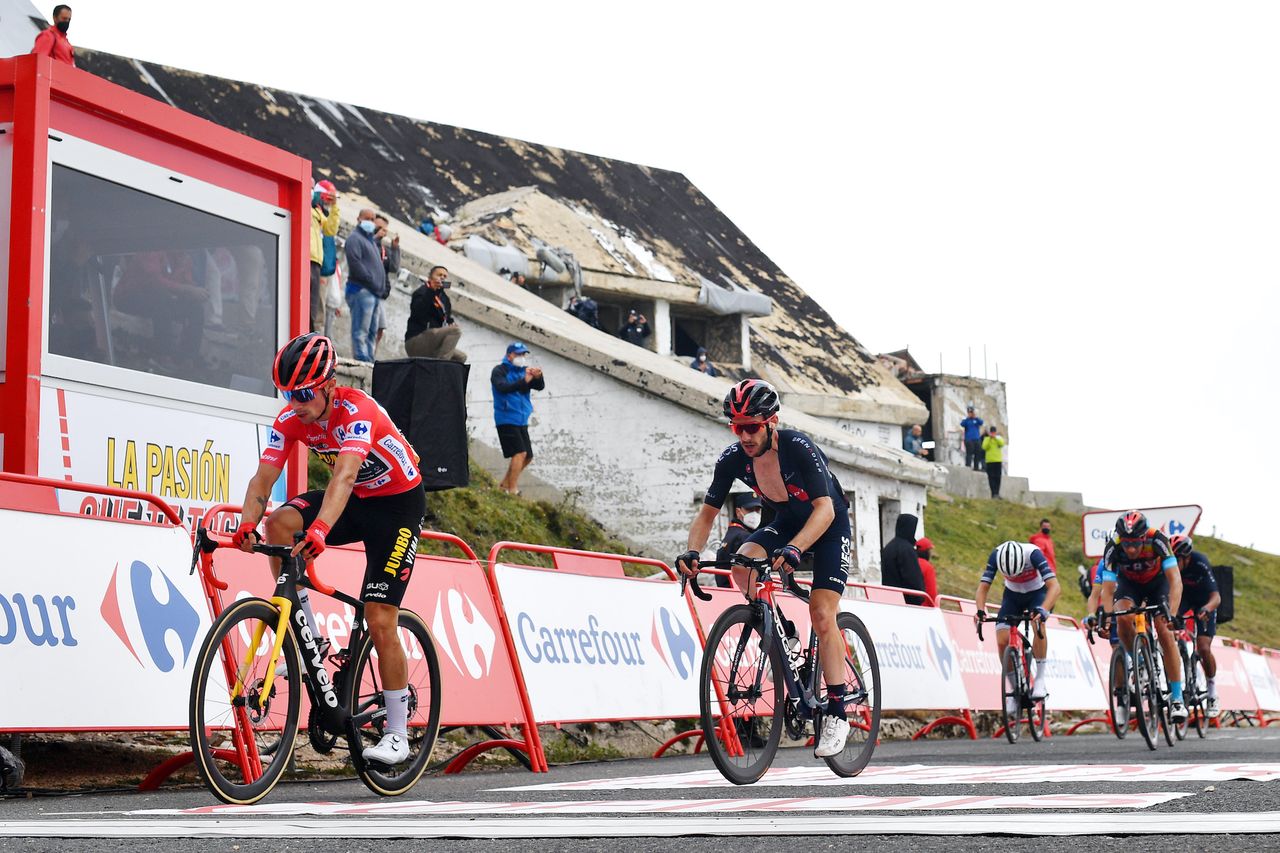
point(1181, 545)
point(305, 362)
point(751, 398)
point(1131, 525)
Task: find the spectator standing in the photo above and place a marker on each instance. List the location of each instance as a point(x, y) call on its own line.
point(432, 332)
point(899, 565)
point(701, 364)
point(913, 441)
point(512, 381)
point(1044, 541)
point(366, 279)
point(636, 329)
point(389, 246)
point(972, 441)
point(993, 452)
point(53, 41)
point(585, 309)
point(746, 518)
point(924, 553)
point(324, 215)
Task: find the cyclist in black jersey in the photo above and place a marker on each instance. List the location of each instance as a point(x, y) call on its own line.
point(789, 473)
point(1200, 596)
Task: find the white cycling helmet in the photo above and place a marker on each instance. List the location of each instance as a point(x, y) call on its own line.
point(1011, 558)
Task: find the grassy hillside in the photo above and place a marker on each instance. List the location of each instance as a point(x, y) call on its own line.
point(483, 514)
point(964, 531)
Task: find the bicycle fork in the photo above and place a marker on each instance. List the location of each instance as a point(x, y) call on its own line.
point(285, 607)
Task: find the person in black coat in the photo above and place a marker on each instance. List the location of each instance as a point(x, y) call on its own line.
point(899, 565)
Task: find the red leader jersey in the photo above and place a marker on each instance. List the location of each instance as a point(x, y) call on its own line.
point(356, 425)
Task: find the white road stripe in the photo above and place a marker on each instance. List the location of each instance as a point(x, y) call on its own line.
point(1021, 823)
point(921, 774)
point(764, 804)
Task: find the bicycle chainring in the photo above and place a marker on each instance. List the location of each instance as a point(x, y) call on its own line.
point(322, 740)
point(794, 721)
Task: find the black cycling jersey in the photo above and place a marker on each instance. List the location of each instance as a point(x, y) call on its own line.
point(804, 471)
point(1197, 576)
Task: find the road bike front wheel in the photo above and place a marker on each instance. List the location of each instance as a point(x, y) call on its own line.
point(362, 684)
point(1011, 689)
point(740, 695)
point(1188, 694)
point(862, 697)
point(242, 731)
point(1120, 695)
point(1148, 691)
point(1195, 695)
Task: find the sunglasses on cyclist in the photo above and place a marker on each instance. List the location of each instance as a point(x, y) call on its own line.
point(748, 428)
point(302, 395)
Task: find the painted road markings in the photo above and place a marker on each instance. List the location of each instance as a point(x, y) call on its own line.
point(923, 774)
point(664, 826)
point(743, 804)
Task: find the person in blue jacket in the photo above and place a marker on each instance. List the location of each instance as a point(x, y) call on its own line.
point(512, 380)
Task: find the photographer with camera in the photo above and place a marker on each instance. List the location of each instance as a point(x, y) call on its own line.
point(636, 328)
point(432, 332)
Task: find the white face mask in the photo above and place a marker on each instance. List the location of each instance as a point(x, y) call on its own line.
point(520, 361)
point(752, 519)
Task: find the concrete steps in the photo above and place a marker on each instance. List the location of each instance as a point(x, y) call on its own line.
point(967, 483)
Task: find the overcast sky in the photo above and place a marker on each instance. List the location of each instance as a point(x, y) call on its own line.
point(1089, 190)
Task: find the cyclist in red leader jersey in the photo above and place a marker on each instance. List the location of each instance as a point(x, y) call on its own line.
point(375, 496)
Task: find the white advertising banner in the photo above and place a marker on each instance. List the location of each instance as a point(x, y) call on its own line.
point(1099, 526)
point(193, 461)
point(1265, 685)
point(918, 665)
point(99, 635)
point(594, 648)
point(1071, 675)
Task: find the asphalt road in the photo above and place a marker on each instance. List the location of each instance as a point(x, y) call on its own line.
point(1206, 800)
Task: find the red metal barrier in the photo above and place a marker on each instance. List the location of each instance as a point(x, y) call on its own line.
point(30, 494)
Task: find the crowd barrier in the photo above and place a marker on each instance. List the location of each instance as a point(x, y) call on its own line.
point(519, 646)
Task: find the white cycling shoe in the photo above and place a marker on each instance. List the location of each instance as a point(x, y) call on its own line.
point(1211, 709)
point(1039, 690)
point(835, 731)
point(1178, 711)
point(392, 749)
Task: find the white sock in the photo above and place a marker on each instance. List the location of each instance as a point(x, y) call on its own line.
point(1039, 669)
point(397, 711)
point(305, 601)
point(1211, 687)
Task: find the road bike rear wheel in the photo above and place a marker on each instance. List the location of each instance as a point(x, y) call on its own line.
point(363, 688)
point(1120, 696)
point(1188, 694)
point(740, 695)
point(1011, 690)
point(1194, 692)
point(242, 743)
point(1035, 707)
point(862, 697)
point(1147, 702)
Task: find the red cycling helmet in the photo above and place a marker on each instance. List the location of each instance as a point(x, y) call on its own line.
point(306, 362)
point(325, 188)
point(751, 398)
point(1181, 545)
point(1131, 525)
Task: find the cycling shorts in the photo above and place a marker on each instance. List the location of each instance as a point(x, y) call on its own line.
point(1014, 603)
point(387, 525)
point(1192, 604)
point(1154, 591)
point(832, 553)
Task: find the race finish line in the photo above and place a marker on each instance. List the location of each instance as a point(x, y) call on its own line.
point(924, 774)
point(665, 826)
point(609, 807)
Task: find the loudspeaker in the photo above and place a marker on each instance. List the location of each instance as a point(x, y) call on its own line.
point(427, 399)
point(1225, 576)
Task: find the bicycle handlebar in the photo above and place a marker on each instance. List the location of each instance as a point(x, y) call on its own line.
point(207, 544)
point(1026, 615)
point(789, 582)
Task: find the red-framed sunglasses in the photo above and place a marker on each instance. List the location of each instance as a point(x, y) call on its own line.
point(748, 428)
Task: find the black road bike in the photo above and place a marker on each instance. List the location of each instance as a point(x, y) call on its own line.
point(1018, 680)
point(260, 654)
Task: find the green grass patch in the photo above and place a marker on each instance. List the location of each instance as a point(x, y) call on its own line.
point(964, 530)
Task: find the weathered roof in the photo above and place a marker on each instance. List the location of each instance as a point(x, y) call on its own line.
point(407, 166)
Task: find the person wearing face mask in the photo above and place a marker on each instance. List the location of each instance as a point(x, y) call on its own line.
point(512, 380)
point(746, 518)
point(53, 42)
point(701, 364)
point(366, 279)
point(1044, 541)
point(432, 332)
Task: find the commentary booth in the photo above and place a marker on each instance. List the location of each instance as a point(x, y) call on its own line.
point(155, 263)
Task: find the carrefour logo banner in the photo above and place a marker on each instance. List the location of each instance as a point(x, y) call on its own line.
point(594, 648)
point(919, 667)
point(99, 636)
point(1099, 526)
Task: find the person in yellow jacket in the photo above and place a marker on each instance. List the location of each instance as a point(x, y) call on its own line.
point(324, 223)
point(993, 448)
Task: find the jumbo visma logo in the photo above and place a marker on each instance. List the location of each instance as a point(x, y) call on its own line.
point(673, 642)
point(139, 618)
